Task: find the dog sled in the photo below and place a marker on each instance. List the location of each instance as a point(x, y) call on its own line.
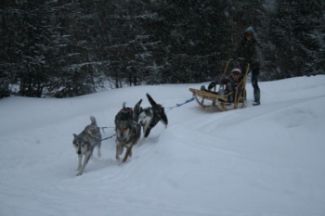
point(219, 97)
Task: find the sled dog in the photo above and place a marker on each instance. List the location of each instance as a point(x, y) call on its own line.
point(150, 116)
point(85, 143)
point(127, 129)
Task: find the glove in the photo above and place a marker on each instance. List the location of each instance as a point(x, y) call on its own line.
point(211, 85)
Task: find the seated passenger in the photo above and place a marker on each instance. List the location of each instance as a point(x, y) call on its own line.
point(227, 84)
point(233, 80)
point(231, 83)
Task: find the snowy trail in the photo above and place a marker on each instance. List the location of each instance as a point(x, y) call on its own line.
point(265, 160)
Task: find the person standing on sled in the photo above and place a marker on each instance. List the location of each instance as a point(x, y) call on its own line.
point(247, 49)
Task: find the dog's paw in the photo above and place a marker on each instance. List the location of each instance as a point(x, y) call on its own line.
point(79, 172)
point(122, 162)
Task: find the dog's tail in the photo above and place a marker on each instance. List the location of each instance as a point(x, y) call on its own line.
point(151, 100)
point(93, 120)
point(164, 118)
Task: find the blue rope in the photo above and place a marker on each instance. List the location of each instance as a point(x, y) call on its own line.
point(181, 104)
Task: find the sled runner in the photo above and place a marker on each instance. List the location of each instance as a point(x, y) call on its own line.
point(220, 96)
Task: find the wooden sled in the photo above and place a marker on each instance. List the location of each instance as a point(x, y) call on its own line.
point(217, 99)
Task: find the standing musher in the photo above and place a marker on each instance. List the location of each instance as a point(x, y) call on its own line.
point(247, 49)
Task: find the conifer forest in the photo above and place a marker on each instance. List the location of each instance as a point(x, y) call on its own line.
point(65, 48)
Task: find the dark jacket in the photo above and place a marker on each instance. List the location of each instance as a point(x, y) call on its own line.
point(247, 49)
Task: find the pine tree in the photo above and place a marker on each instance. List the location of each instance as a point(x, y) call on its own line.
point(25, 37)
point(192, 34)
point(295, 32)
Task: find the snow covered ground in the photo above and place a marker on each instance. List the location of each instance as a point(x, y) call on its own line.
point(267, 160)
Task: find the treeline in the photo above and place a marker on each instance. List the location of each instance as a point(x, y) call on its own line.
point(66, 48)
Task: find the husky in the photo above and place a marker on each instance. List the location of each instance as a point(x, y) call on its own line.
point(85, 143)
point(150, 116)
point(127, 129)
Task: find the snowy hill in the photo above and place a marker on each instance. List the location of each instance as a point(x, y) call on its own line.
point(265, 160)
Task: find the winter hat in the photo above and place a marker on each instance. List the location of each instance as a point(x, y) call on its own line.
point(236, 70)
point(250, 30)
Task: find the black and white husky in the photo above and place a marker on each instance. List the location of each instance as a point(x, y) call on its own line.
point(150, 116)
point(85, 143)
point(127, 129)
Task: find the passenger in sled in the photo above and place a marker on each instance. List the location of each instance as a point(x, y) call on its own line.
point(232, 85)
point(228, 85)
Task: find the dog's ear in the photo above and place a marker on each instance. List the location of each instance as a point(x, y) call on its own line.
point(151, 100)
point(75, 135)
point(93, 120)
point(137, 105)
point(137, 110)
